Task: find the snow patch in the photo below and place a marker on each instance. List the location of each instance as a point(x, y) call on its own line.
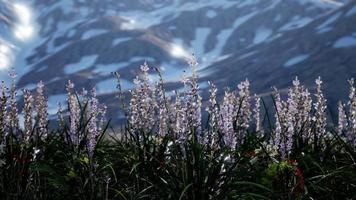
point(261, 35)
point(211, 14)
point(277, 18)
point(225, 34)
point(352, 11)
point(243, 56)
point(120, 40)
point(84, 63)
point(71, 33)
point(295, 60)
point(345, 42)
point(296, 22)
point(93, 33)
point(322, 3)
point(65, 6)
point(201, 35)
point(324, 27)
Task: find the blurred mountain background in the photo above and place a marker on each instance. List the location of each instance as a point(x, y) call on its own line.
point(269, 42)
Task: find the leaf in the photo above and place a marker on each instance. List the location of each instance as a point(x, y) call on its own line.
point(252, 195)
point(185, 190)
point(71, 174)
point(84, 160)
point(254, 185)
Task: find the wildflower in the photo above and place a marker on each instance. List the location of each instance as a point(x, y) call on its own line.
point(142, 103)
point(299, 188)
point(226, 120)
point(3, 110)
point(291, 118)
point(342, 122)
point(27, 112)
point(352, 113)
point(181, 122)
point(276, 141)
point(290, 133)
point(193, 103)
point(102, 118)
point(147, 101)
point(92, 124)
point(41, 108)
point(244, 112)
point(163, 112)
point(213, 110)
point(134, 112)
point(259, 129)
point(185, 80)
point(13, 119)
point(198, 116)
point(320, 111)
point(303, 116)
point(74, 113)
point(144, 67)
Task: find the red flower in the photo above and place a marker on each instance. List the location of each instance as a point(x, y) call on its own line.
point(298, 173)
point(300, 181)
point(292, 161)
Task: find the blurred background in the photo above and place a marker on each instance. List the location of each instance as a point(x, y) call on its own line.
point(269, 42)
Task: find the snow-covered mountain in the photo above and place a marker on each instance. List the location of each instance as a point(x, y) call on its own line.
point(6, 21)
point(325, 47)
point(267, 41)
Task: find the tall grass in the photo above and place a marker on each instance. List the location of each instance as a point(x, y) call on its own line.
point(167, 151)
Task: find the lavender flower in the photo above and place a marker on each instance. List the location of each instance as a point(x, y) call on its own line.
point(290, 130)
point(197, 120)
point(143, 103)
point(134, 107)
point(102, 118)
point(276, 140)
point(60, 117)
point(342, 121)
point(27, 112)
point(74, 113)
point(305, 107)
point(163, 112)
point(259, 129)
point(41, 108)
point(13, 119)
point(3, 110)
point(244, 112)
point(292, 117)
point(226, 120)
point(320, 111)
point(181, 121)
point(193, 104)
point(92, 124)
point(213, 110)
point(352, 113)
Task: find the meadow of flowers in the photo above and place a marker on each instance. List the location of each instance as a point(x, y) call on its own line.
point(178, 146)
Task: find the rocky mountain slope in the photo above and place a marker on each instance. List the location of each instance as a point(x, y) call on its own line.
point(266, 41)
